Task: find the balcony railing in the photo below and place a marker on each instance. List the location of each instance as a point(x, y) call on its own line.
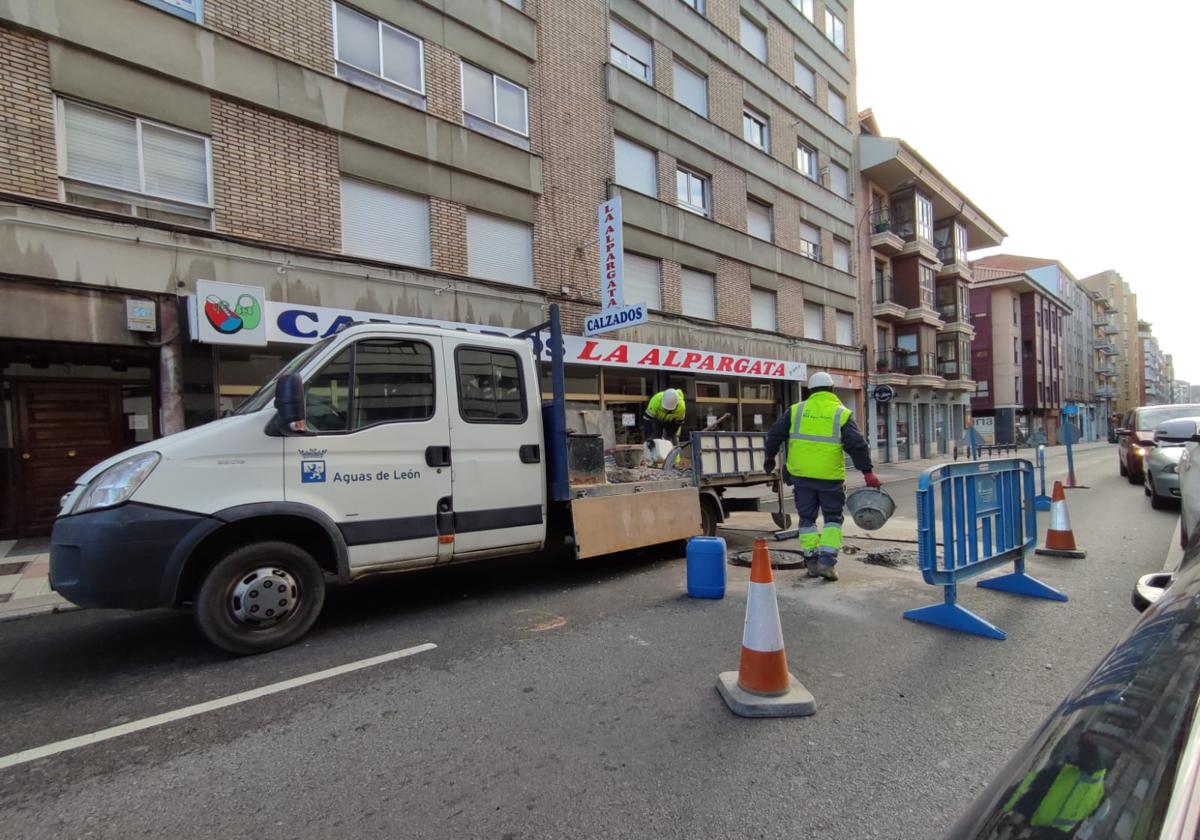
point(954, 369)
point(885, 291)
point(909, 363)
point(946, 255)
point(881, 221)
point(950, 312)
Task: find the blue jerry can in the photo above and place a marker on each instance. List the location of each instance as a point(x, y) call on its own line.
point(706, 567)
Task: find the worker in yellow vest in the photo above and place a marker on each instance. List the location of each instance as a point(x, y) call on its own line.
point(1053, 802)
point(819, 433)
point(664, 415)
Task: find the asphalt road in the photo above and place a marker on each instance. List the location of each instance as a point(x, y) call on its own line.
point(564, 701)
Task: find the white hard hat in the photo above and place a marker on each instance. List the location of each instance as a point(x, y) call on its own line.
point(821, 379)
point(670, 399)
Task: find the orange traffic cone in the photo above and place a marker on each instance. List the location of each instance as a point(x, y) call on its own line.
point(762, 686)
point(1060, 539)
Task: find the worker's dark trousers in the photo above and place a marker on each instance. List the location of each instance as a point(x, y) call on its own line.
point(656, 429)
point(829, 498)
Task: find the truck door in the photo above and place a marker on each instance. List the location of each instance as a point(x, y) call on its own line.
point(378, 464)
point(495, 423)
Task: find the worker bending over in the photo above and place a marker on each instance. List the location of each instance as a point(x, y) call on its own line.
point(664, 415)
point(819, 433)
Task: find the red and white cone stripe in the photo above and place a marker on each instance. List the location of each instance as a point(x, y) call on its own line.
point(763, 668)
point(1060, 536)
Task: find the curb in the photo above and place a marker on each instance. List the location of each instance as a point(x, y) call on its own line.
point(18, 612)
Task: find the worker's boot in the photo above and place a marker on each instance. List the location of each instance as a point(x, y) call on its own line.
point(810, 562)
point(825, 568)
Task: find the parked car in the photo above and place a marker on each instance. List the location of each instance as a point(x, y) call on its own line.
point(1185, 433)
point(1160, 466)
point(1120, 755)
point(1135, 436)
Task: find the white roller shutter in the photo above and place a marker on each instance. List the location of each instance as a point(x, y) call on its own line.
point(643, 281)
point(758, 220)
point(101, 147)
point(762, 309)
point(635, 166)
point(814, 321)
point(175, 164)
point(499, 249)
point(845, 328)
point(699, 294)
point(754, 38)
point(841, 255)
point(691, 89)
point(384, 224)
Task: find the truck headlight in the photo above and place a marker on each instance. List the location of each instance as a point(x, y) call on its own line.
point(117, 483)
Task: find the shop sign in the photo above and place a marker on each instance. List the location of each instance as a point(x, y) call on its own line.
point(289, 323)
point(614, 314)
point(884, 393)
point(986, 429)
point(140, 315)
point(228, 313)
point(627, 354)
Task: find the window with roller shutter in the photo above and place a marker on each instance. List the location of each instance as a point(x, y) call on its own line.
point(762, 309)
point(124, 164)
point(381, 223)
point(643, 281)
point(499, 249)
point(634, 166)
point(699, 294)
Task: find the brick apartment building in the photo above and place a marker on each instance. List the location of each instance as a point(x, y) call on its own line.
point(1123, 348)
point(407, 159)
point(916, 281)
point(1018, 357)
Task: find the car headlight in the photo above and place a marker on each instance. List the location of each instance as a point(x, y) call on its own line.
point(1139, 450)
point(117, 483)
point(1171, 469)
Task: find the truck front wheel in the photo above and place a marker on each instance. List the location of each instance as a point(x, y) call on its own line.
point(260, 597)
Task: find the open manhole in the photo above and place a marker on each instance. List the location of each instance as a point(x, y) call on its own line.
point(789, 558)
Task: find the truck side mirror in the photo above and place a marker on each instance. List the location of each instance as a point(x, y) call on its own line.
point(289, 403)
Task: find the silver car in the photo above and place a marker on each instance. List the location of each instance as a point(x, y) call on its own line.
point(1160, 473)
point(1184, 432)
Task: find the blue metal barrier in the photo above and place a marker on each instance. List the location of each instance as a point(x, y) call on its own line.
point(1042, 501)
point(987, 520)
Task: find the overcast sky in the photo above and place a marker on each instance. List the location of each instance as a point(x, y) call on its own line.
point(1072, 124)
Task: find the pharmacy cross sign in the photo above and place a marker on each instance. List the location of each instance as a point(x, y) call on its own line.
point(615, 314)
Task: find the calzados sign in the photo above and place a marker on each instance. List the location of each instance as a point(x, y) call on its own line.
point(615, 314)
point(628, 354)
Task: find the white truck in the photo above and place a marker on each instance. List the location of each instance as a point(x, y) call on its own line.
point(381, 448)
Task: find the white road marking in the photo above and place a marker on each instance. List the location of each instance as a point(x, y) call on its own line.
point(111, 732)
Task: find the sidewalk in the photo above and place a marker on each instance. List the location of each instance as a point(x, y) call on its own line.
point(910, 470)
point(25, 579)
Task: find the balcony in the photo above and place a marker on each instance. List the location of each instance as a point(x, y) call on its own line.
point(1106, 371)
point(921, 368)
point(916, 246)
point(886, 307)
point(954, 264)
point(883, 238)
point(1110, 328)
point(956, 320)
point(1106, 347)
point(926, 314)
point(1105, 393)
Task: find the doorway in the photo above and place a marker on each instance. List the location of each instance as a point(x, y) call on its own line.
point(62, 429)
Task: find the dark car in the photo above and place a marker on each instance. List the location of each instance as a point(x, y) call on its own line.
point(1120, 756)
point(1135, 435)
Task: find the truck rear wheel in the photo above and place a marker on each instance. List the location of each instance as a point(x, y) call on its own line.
point(260, 597)
point(710, 516)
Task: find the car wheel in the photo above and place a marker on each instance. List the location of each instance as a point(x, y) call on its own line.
point(1134, 478)
point(1121, 467)
point(260, 597)
point(1146, 485)
point(1156, 501)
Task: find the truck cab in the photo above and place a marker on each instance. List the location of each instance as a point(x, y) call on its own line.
point(380, 448)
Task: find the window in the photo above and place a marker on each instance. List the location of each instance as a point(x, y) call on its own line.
point(643, 280)
point(806, 8)
point(490, 389)
point(810, 241)
point(133, 166)
point(393, 382)
point(835, 30)
point(762, 309)
point(837, 106)
point(756, 129)
point(841, 254)
point(491, 100)
point(1014, 310)
point(758, 219)
point(982, 387)
point(814, 321)
point(384, 224)
point(806, 79)
point(754, 38)
point(377, 55)
point(839, 179)
point(1017, 389)
point(928, 280)
point(806, 161)
point(192, 10)
point(924, 218)
point(516, 4)
point(699, 294)
point(630, 51)
point(634, 166)
point(698, 5)
point(845, 328)
point(691, 89)
point(1016, 351)
point(499, 249)
point(693, 191)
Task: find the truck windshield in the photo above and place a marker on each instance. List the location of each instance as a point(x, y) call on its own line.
point(264, 395)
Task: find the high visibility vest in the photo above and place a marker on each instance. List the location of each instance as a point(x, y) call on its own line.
point(815, 437)
point(1071, 799)
point(655, 409)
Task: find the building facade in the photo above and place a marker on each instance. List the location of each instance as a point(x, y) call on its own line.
point(1104, 365)
point(1154, 367)
point(410, 160)
point(1079, 343)
point(916, 295)
point(1127, 359)
point(1018, 359)
point(1182, 391)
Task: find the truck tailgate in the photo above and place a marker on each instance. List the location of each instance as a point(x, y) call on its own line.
point(613, 522)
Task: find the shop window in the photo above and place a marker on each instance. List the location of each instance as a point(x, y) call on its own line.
point(489, 386)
